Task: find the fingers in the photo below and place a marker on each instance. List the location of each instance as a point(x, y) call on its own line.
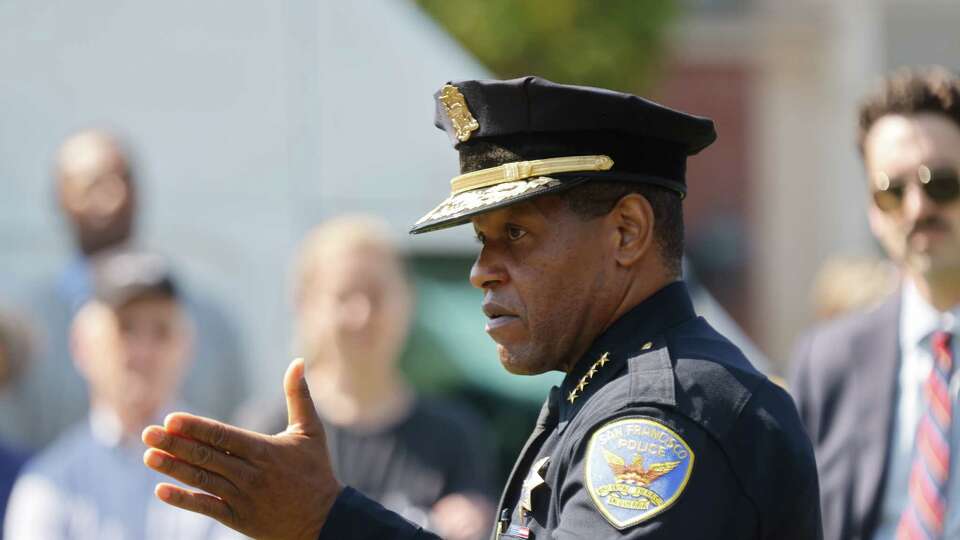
point(200, 503)
point(460, 516)
point(300, 409)
point(224, 437)
point(191, 475)
point(230, 467)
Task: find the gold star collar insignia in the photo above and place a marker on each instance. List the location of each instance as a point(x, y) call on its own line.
point(585, 380)
point(602, 361)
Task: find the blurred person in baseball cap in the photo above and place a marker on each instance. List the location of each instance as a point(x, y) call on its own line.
point(131, 343)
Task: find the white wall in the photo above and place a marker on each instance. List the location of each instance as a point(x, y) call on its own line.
point(250, 121)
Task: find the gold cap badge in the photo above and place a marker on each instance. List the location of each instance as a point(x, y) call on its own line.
point(456, 107)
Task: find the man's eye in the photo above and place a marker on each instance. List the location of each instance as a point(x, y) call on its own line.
point(515, 233)
point(479, 237)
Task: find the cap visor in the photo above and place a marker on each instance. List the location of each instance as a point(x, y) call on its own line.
point(458, 209)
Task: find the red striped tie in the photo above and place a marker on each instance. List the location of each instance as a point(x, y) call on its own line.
point(925, 513)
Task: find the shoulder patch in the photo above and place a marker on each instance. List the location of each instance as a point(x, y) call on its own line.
point(636, 468)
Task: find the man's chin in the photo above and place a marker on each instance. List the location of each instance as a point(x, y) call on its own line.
point(933, 262)
point(521, 363)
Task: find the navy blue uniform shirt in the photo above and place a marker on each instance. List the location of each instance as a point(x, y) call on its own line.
point(663, 429)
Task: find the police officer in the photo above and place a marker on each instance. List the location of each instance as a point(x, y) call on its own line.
point(661, 428)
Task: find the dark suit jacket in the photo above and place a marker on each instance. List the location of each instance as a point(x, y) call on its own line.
point(845, 385)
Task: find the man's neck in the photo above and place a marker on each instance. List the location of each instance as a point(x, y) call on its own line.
point(633, 295)
point(89, 249)
point(362, 400)
point(942, 291)
point(638, 292)
point(113, 427)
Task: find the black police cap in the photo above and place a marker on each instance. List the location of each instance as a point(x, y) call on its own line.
point(526, 137)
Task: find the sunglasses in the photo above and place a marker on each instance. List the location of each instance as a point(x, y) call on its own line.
point(941, 185)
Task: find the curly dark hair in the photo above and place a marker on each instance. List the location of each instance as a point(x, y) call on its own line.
point(597, 198)
point(933, 89)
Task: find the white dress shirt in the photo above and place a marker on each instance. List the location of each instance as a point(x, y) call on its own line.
point(92, 484)
point(918, 321)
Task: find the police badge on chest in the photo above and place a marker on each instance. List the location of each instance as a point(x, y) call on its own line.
point(532, 492)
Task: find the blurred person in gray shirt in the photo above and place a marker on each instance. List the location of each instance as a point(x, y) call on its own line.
point(97, 196)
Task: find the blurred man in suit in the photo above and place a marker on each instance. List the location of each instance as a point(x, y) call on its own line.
point(877, 390)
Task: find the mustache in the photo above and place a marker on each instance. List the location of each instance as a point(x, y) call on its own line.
point(931, 223)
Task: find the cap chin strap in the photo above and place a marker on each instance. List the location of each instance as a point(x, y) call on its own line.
point(519, 170)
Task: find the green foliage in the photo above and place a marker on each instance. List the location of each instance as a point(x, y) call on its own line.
point(610, 43)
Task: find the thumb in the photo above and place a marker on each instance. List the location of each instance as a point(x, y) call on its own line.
point(301, 412)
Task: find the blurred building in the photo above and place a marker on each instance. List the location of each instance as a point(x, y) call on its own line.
point(783, 188)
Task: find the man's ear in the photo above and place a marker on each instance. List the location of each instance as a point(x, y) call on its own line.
point(633, 218)
point(188, 331)
point(80, 336)
point(92, 334)
point(876, 220)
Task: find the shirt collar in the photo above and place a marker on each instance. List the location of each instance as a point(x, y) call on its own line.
point(919, 319)
point(107, 430)
point(105, 427)
point(665, 309)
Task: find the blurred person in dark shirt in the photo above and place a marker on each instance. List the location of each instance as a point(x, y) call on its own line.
point(431, 461)
point(98, 198)
point(14, 358)
point(131, 343)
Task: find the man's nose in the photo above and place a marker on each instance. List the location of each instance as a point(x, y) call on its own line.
point(916, 203)
point(355, 312)
point(138, 351)
point(488, 270)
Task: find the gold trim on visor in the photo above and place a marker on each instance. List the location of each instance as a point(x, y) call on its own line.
point(518, 170)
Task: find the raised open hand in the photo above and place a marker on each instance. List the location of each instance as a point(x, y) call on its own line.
point(265, 486)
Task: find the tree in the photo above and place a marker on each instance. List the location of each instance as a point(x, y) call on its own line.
point(609, 43)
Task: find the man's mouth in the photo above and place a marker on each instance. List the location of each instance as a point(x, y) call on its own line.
point(501, 321)
point(498, 316)
point(929, 226)
point(923, 237)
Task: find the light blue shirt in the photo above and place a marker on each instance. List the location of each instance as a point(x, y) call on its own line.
point(92, 484)
point(918, 321)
